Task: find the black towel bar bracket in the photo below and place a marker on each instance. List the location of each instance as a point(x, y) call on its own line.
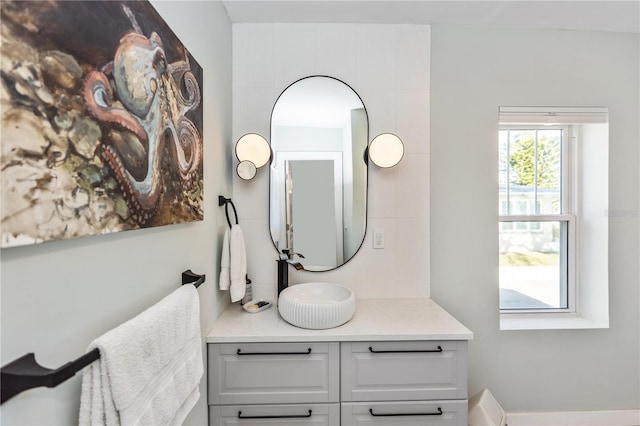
point(25, 373)
point(189, 277)
point(222, 201)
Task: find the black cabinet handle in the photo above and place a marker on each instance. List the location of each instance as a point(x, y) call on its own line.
point(239, 352)
point(439, 349)
point(439, 413)
point(290, 416)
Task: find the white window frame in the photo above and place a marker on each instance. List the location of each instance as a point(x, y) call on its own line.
point(588, 282)
point(567, 196)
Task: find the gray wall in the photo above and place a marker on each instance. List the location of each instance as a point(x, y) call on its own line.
point(57, 297)
point(473, 72)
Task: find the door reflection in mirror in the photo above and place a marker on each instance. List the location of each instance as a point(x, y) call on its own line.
point(313, 207)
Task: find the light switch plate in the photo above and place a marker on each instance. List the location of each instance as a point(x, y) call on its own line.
point(378, 238)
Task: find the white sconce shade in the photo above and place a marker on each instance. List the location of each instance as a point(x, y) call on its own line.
point(254, 148)
point(386, 150)
point(246, 170)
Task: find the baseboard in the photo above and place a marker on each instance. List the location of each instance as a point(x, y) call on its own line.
point(576, 418)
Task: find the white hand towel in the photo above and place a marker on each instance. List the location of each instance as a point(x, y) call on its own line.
point(225, 262)
point(238, 268)
point(150, 367)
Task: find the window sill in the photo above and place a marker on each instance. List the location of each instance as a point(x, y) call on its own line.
point(552, 321)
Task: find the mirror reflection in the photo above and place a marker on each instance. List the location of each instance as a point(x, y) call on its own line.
point(318, 183)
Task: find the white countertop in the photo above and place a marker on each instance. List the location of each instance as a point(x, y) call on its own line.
point(375, 319)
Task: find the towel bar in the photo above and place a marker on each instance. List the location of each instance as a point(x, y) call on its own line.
point(25, 373)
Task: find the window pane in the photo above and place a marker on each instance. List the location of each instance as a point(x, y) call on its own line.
point(549, 160)
point(530, 170)
point(503, 170)
point(531, 276)
point(522, 145)
point(521, 226)
point(504, 207)
point(506, 226)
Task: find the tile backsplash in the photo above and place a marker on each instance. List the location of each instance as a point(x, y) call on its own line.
point(389, 67)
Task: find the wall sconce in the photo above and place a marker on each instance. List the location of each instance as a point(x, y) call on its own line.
point(386, 150)
point(253, 151)
point(246, 170)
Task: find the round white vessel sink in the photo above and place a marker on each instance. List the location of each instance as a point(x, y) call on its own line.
point(316, 305)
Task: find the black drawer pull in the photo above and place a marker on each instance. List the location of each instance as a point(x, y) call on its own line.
point(400, 351)
point(439, 413)
point(239, 352)
point(290, 416)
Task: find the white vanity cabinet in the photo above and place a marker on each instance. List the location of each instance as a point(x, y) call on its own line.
point(397, 362)
point(338, 383)
point(404, 370)
point(275, 415)
point(405, 413)
point(244, 377)
point(404, 383)
point(273, 373)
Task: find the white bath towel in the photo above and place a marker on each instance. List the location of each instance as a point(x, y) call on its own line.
point(225, 262)
point(238, 263)
point(150, 367)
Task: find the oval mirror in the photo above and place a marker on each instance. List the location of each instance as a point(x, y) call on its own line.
point(318, 186)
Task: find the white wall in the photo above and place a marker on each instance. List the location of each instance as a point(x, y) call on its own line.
point(57, 297)
point(388, 66)
point(474, 71)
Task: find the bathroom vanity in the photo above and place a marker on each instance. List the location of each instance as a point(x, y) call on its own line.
point(397, 362)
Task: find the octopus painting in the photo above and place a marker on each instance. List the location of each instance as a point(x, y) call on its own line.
point(138, 97)
point(101, 121)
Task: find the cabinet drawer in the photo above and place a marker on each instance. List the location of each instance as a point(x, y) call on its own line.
point(418, 413)
point(284, 414)
point(406, 370)
point(272, 373)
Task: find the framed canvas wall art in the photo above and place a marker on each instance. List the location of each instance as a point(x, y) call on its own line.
point(101, 115)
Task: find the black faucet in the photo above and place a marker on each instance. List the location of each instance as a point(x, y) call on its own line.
point(284, 260)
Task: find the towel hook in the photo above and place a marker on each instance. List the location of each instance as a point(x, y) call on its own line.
point(226, 201)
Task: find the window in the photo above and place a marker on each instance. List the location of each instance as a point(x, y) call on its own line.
point(551, 162)
point(536, 273)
